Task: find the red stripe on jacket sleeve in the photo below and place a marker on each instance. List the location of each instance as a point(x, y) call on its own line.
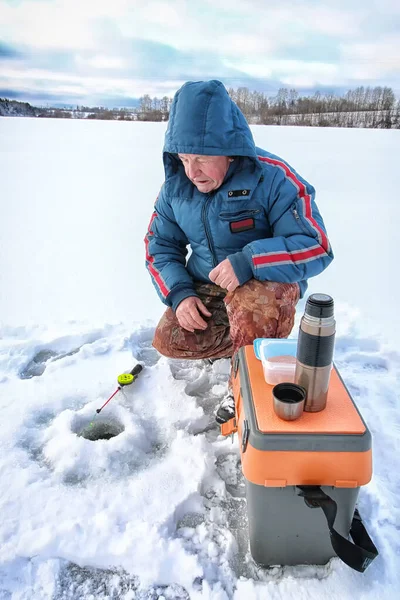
point(304, 197)
point(154, 272)
point(295, 257)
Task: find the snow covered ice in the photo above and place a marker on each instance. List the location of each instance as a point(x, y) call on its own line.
point(157, 511)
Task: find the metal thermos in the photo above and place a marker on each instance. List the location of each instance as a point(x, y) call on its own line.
point(315, 350)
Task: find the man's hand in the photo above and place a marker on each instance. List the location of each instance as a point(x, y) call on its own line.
point(224, 276)
point(188, 314)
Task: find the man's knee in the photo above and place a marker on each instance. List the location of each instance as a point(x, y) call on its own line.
point(173, 341)
point(261, 309)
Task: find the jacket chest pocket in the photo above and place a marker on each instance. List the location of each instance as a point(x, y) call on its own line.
point(241, 220)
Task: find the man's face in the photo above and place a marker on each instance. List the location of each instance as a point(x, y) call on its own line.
point(206, 172)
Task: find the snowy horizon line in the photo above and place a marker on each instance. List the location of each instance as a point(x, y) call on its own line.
point(45, 101)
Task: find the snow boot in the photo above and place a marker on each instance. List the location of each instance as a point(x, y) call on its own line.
point(226, 409)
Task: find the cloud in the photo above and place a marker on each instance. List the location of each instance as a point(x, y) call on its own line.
point(375, 59)
point(7, 51)
point(125, 48)
point(102, 62)
point(290, 69)
point(11, 94)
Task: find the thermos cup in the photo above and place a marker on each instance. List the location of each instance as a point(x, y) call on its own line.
point(315, 350)
point(288, 401)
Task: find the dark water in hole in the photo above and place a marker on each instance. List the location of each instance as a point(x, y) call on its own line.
point(101, 431)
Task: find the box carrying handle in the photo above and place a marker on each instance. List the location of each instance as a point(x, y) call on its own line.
point(358, 555)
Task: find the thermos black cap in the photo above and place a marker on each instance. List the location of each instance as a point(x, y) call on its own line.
point(320, 306)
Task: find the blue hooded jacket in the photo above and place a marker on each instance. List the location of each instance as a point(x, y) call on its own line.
point(263, 217)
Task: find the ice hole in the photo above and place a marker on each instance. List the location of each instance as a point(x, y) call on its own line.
point(101, 430)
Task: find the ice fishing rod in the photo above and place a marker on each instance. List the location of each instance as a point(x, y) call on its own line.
point(123, 380)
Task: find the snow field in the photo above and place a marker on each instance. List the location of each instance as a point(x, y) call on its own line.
point(157, 512)
point(162, 502)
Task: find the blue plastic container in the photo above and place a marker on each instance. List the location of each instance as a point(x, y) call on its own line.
point(278, 357)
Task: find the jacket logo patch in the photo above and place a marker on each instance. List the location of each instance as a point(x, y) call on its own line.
point(235, 193)
point(243, 225)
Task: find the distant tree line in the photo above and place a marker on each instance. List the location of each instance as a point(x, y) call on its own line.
point(154, 109)
point(86, 112)
point(362, 107)
point(11, 108)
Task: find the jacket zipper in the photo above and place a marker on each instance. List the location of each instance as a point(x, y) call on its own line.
point(299, 220)
point(208, 234)
point(295, 213)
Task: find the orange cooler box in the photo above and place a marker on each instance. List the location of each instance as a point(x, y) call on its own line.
point(294, 468)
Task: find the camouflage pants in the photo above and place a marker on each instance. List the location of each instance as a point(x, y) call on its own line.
point(255, 309)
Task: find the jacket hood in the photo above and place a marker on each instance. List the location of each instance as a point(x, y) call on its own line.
point(204, 120)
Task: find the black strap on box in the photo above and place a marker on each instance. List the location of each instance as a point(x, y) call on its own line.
point(359, 555)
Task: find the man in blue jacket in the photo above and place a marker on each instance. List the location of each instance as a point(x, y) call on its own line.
point(254, 231)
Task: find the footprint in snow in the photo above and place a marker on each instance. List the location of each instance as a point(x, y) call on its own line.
point(368, 361)
point(207, 383)
point(90, 582)
point(366, 353)
point(61, 348)
point(37, 365)
point(345, 343)
point(140, 344)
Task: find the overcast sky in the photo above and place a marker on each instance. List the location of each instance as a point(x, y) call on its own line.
point(111, 51)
